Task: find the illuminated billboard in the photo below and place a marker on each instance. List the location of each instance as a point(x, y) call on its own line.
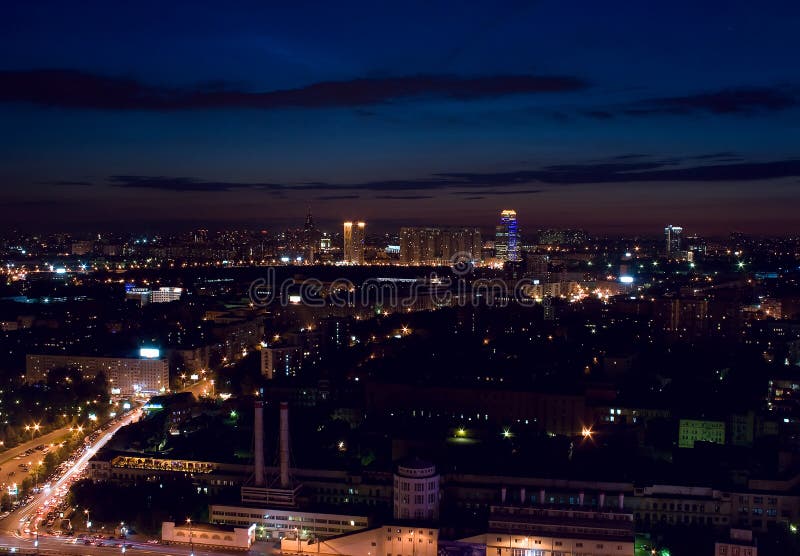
point(150, 353)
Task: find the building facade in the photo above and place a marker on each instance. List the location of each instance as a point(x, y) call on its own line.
point(672, 239)
point(439, 246)
point(126, 376)
point(353, 236)
point(550, 531)
point(416, 490)
point(507, 241)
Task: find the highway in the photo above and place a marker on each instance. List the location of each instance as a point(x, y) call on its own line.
point(14, 540)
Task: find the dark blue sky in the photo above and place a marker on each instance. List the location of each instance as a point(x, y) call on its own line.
point(606, 115)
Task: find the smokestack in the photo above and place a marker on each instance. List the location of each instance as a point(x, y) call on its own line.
point(259, 444)
point(601, 499)
point(541, 497)
point(621, 500)
point(284, 445)
point(503, 495)
point(580, 498)
point(522, 495)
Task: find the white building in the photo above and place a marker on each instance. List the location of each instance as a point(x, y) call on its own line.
point(206, 535)
point(416, 490)
point(126, 376)
point(277, 522)
point(166, 294)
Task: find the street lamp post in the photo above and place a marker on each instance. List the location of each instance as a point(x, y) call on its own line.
point(191, 537)
point(88, 520)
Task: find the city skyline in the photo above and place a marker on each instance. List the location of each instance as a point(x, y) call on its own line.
point(610, 120)
point(400, 279)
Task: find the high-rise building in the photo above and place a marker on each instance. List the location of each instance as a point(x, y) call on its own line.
point(354, 234)
point(311, 239)
point(672, 236)
point(439, 246)
point(506, 242)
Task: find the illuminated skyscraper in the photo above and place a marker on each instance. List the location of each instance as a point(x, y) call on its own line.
point(354, 242)
point(672, 236)
point(506, 241)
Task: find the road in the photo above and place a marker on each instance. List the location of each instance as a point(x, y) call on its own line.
point(12, 541)
point(10, 470)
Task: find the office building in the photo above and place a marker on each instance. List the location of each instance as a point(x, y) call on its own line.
point(672, 237)
point(354, 234)
point(506, 242)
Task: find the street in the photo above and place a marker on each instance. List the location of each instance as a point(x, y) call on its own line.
point(15, 541)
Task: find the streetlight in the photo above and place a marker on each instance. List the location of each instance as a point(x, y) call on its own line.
point(88, 520)
point(191, 537)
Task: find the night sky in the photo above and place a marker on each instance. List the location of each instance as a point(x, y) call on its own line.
point(612, 116)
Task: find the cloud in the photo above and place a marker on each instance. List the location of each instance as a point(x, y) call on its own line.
point(404, 197)
point(625, 170)
point(65, 183)
point(185, 184)
point(745, 100)
point(337, 197)
point(78, 89)
point(492, 192)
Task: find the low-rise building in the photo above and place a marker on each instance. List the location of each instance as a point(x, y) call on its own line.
point(398, 540)
point(128, 469)
point(541, 529)
point(700, 430)
point(277, 522)
point(740, 543)
point(207, 535)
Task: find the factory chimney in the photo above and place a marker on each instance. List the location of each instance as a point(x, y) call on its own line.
point(284, 450)
point(259, 445)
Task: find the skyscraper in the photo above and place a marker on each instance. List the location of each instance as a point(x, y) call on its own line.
point(354, 242)
point(506, 241)
point(672, 236)
point(311, 237)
